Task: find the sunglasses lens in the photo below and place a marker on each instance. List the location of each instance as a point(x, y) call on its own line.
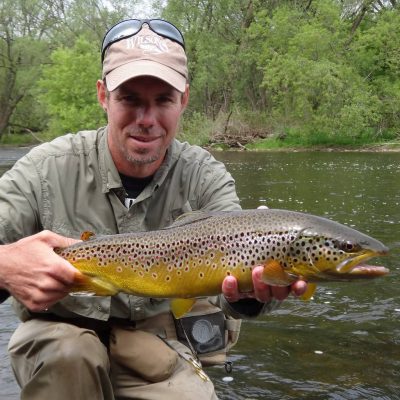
point(168, 30)
point(121, 30)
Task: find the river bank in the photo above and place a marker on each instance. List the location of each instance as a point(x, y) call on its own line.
point(373, 147)
point(12, 149)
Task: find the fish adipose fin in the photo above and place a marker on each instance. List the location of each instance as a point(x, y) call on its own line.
point(180, 307)
point(86, 285)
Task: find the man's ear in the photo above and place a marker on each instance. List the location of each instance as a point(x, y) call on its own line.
point(102, 94)
point(185, 98)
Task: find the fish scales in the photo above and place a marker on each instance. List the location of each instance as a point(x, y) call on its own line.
point(192, 258)
point(200, 253)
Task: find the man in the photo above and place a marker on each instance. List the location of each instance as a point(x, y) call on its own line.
point(129, 176)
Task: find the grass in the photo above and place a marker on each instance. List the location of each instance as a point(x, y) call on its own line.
point(25, 139)
point(322, 140)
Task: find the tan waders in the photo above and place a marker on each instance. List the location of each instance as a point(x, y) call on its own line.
point(56, 360)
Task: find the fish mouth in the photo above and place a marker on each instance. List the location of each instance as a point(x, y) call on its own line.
point(356, 267)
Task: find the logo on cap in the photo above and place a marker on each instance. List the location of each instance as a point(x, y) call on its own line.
point(149, 44)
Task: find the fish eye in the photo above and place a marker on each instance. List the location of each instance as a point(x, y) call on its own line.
point(348, 247)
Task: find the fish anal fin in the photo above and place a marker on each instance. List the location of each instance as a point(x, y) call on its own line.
point(311, 288)
point(275, 274)
point(93, 285)
point(180, 307)
point(87, 235)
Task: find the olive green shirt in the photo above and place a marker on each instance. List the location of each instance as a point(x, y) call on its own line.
point(71, 185)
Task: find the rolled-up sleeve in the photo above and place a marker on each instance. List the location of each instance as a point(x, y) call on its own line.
point(20, 194)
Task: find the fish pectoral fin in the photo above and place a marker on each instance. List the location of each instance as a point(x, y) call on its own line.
point(275, 274)
point(180, 307)
point(311, 287)
point(93, 286)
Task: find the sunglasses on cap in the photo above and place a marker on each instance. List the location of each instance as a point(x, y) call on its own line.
point(131, 27)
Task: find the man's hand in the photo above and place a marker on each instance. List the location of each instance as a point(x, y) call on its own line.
point(262, 292)
point(33, 273)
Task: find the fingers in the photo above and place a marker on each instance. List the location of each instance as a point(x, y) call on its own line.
point(230, 289)
point(33, 273)
point(58, 268)
point(263, 292)
point(38, 301)
point(299, 287)
point(55, 240)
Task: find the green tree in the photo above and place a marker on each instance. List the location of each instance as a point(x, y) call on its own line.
point(29, 31)
point(311, 86)
point(69, 90)
point(301, 67)
point(24, 25)
point(376, 55)
point(213, 33)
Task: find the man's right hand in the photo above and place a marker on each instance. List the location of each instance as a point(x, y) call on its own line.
point(33, 273)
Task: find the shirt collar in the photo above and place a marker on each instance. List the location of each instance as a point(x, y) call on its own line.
point(109, 173)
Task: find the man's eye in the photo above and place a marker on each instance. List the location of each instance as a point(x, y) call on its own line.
point(130, 99)
point(164, 99)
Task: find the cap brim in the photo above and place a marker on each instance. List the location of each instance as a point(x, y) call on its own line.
point(135, 69)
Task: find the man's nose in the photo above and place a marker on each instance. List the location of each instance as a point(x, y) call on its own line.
point(145, 116)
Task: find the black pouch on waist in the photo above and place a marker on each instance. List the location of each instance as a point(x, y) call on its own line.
point(206, 333)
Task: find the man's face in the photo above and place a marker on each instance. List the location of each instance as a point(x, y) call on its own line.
point(143, 115)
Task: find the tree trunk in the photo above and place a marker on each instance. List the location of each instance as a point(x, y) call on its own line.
point(358, 19)
point(8, 99)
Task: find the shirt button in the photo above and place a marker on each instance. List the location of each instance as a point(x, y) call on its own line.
point(99, 308)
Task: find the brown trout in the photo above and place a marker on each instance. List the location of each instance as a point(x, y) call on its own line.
point(191, 258)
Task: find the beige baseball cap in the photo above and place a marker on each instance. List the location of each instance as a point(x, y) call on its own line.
point(145, 54)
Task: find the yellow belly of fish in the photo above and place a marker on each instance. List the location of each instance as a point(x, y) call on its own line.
point(159, 280)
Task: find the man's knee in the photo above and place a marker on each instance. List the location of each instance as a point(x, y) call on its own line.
point(55, 345)
point(78, 346)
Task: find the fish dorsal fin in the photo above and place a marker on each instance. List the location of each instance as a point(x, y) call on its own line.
point(87, 235)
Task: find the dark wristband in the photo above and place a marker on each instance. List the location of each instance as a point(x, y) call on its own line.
point(4, 295)
point(248, 307)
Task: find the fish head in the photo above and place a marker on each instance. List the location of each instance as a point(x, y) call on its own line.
point(334, 254)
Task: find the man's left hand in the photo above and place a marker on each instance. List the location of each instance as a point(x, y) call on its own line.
point(262, 291)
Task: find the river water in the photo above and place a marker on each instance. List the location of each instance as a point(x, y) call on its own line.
point(345, 342)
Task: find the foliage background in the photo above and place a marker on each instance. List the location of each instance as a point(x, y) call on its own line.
point(294, 72)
